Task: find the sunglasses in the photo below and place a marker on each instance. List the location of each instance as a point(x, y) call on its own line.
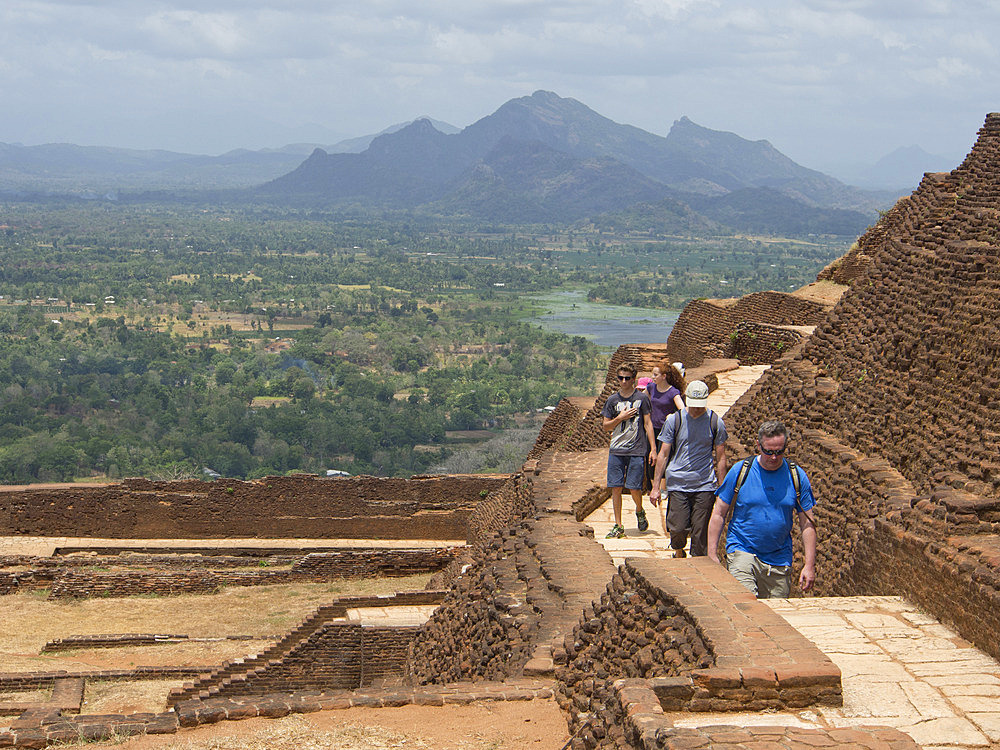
point(777, 452)
point(623, 378)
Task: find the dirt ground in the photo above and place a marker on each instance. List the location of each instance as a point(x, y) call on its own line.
point(28, 620)
point(487, 725)
point(824, 292)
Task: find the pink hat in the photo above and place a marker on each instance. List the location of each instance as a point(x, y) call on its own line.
point(643, 382)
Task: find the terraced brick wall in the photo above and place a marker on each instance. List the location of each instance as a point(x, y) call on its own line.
point(704, 327)
point(299, 506)
point(895, 399)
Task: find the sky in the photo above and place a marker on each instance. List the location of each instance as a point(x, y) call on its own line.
point(827, 82)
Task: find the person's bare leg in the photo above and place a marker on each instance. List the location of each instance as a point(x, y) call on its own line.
point(636, 498)
point(616, 503)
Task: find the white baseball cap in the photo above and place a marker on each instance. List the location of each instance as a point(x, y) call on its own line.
point(696, 394)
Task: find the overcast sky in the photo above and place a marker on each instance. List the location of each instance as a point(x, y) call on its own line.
point(825, 81)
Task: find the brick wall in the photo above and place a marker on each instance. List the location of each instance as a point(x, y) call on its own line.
point(684, 637)
point(318, 653)
point(704, 327)
point(297, 506)
point(894, 402)
point(177, 576)
point(336, 656)
point(759, 344)
point(483, 629)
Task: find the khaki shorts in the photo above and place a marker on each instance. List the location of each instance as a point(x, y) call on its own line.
point(763, 580)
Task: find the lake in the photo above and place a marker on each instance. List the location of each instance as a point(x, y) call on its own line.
point(608, 326)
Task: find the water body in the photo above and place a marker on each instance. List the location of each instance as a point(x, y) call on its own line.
point(609, 326)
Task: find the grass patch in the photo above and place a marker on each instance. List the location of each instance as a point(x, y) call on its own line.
point(26, 696)
point(127, 697)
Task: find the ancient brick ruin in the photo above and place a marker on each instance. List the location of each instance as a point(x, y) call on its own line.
point(891, 394)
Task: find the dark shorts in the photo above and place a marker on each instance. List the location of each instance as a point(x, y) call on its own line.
point(626, 471)
point(690, 510)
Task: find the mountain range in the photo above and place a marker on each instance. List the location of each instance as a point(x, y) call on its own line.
point(539, 158)
point(545, 158)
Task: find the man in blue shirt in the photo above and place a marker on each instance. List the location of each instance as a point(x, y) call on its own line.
point(759, 541)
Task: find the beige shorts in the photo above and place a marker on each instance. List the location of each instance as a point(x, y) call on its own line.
point(763, 580)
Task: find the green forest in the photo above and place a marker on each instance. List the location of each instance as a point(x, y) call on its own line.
point(163, 340)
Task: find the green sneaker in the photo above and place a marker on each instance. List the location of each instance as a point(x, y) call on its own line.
point(640, 517)
point(617, 532)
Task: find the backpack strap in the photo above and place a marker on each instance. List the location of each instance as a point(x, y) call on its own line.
point(677, 430)
point(797, 483)
point(741, 478)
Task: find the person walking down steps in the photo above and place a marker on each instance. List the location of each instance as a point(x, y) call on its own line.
point(627, 417)
point(691, 463)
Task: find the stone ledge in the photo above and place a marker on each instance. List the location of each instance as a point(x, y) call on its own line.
point(49, 727)
point(760, 660)
point(648, 728)
point(14, 681)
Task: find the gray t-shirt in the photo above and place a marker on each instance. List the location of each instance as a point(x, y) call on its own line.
point(629, 437)
point(693, 468)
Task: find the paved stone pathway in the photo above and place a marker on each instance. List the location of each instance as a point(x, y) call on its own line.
point(732, 385)
point(396, 616)
point(900, 668)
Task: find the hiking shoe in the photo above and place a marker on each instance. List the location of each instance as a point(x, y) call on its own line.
point(640, 517)
point(617, 532)
point(679, 553)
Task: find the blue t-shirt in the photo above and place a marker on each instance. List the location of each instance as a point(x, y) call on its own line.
point(762, 519)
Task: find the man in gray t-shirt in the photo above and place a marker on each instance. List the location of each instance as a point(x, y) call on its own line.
point(697, 438)
point(626, 416)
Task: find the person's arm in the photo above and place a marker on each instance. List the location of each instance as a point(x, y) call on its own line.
point(715, 524)
point(647, 422)
point(721, 464)
point(610, 423)
point(807, 525)
point(678, 401)
point(661, 464)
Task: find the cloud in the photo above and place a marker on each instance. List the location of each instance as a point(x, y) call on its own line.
point(191, 33)
point(846, 72)
point(945, 71)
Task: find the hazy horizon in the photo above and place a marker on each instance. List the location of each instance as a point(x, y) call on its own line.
point(826, 83)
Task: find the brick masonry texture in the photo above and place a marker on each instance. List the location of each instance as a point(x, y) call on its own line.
point(317, 653)
point(176, 578)
point(704, 328)
point(689, 638)
point(759, 344)
point(297, 506)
